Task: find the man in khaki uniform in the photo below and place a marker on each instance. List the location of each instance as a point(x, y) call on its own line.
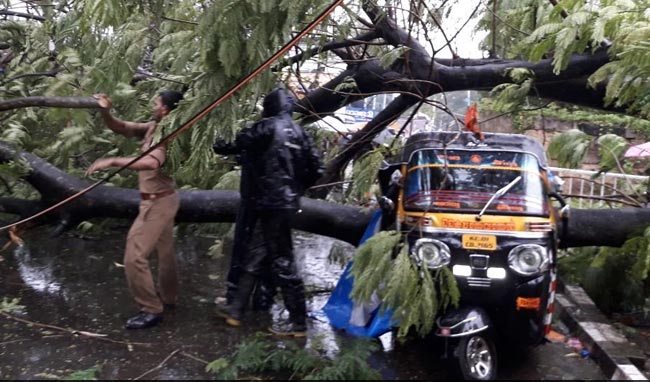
point(153, 228)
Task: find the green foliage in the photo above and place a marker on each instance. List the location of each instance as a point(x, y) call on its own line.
point(642, 265)
point(372, 263)
point(537, 30)
point(364, 174)
point(229, 181)
point(628, 28)
point(413, 293)
point(387, 59)
point(509, 96)
point(615, 278)
point(84, 375)
point(569, 148)
point(612, 279)
point(523, 16)
point(350, 364)
point(262, 356)
point(100, 44)
point(573, 264)
point(14, 169)
point(610, 148)
point(348, 85)
point(11, 305)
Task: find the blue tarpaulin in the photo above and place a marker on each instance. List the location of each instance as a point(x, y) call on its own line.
point(340, 308)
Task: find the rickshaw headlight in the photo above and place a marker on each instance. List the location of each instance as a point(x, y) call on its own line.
point(431, 253)
point(528, 259)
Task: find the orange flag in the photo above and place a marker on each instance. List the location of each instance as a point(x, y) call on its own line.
point(471, 121)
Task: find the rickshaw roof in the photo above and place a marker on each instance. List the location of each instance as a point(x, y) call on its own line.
point(466, 141)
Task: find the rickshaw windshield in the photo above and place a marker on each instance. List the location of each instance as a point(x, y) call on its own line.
point(466, 180)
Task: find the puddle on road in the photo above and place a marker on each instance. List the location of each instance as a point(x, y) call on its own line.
point(75, 283)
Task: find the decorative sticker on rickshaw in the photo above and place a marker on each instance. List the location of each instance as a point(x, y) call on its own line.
point(481, 242)
point(450, 157)
point(447, 204)
point(506, 207)
point(468, 224)
point(503, 163)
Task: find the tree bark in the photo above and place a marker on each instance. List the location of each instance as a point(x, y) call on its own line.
point(605, 227)
point(324, 218)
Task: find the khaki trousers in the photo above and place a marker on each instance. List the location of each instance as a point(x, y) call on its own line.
point(152, 229)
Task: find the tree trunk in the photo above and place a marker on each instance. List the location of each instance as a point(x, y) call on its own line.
point(586, 227)
point(324, 218)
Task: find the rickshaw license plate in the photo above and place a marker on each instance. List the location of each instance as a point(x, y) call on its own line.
point(484, 242)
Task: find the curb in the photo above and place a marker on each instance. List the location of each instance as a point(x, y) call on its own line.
point(617, 357)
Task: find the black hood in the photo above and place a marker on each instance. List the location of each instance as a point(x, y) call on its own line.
point(277, 102)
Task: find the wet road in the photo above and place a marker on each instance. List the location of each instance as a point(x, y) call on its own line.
point(75, 283)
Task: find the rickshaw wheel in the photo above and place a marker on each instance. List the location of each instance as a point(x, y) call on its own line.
point(477, 357)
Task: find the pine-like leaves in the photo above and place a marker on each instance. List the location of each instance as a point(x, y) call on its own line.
point(372, 263)
point(364, 173)
point(260, 356)
point(569, 148)
point(610, 149)
point(384, 266)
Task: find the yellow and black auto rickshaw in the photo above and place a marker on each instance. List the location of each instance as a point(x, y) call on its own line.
point(484, 210)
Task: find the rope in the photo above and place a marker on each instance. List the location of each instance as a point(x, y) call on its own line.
point(194, 119)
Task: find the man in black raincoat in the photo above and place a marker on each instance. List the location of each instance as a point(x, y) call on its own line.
point(279, 161)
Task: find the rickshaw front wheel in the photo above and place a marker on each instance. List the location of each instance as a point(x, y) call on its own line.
point(477, 357)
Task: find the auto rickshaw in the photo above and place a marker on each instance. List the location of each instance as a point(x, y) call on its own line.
point(483, 209)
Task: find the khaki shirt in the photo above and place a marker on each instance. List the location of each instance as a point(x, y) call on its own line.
point(154, 181)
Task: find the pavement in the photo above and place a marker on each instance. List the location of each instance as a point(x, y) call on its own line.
point(618, 358)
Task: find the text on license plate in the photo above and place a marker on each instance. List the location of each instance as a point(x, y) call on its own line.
point(484, 242)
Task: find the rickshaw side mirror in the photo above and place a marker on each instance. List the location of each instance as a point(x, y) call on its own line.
point(565, 212)
point(386, 205)
point(396, 177)
point(559, 198)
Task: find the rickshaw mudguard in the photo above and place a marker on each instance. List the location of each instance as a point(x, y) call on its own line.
point(339, 307)
point(462, 321)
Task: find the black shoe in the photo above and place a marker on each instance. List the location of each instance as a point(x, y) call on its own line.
point(143, 320)
point(289, 330)
point(226, 312)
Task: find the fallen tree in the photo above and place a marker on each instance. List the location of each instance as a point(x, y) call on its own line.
point(198, 206)
point(586, 227)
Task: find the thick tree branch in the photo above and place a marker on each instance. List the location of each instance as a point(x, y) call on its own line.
point(360, 141)
point(21, 14)
point(370, 78)
point(490, 75)
point(43, 101)
point(317, 216)
point(358, 40)
point(51, 73)
point(388, 29)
